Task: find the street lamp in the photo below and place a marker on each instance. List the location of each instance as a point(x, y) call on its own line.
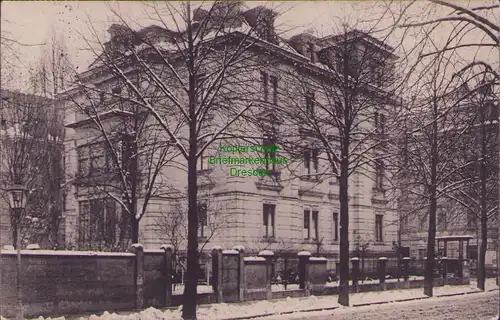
point(17, 198)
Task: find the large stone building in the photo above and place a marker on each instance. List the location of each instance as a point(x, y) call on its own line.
point(290, 212)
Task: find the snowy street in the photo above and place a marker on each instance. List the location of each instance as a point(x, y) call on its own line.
point(481, 306)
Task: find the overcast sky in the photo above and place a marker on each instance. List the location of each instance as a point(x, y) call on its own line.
point(33, 22)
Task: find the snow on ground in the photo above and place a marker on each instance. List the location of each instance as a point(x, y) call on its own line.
point(336, 283)
point(227, 311)
point(179, 289)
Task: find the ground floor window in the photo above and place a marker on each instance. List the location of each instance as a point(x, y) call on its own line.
point(102, 226)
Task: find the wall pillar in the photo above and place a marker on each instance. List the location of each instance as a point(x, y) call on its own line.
point(138, 250)
point(355, 274)
point(406, 272)
point(241, 271)
point(217, 273)
point(168, 271)
point(382, 266)
point(268, 255)
point(304, 257)
point(444, 263)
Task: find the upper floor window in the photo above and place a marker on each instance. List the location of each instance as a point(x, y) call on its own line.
point(264, 79)
point(269, 154)
point(311, 161)
point(97, 158)
point(379, 174)
point(309, 103)
point(200, 88)
point(269, 84)
point(311, 54)
point(274, 88)
point(379, 122)
point(116, 90)
point(268, 215)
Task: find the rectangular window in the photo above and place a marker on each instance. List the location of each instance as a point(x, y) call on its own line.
point(268, 212)
point(98, 224)
point(110, 220)
point(84, 222)
point(116, 90)
point(378, 227)
point(310, 52)
point(97, 158)
point(306, 232)
point(307, 162)
point(315, 160)
point(83, 161)
point(335, 226)
point(274, 88)
point(270, 156)
point(309, 103)
point(202, 219)
point(264, 78)
point(471, 220)
point(379, 175)
point(199, 84)
point(315, 231)
point(382, 124)
point(311, 161)
point(379, 122)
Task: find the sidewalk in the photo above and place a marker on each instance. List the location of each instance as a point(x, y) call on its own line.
point(253, 309)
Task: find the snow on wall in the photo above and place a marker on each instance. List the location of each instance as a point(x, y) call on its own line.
point(69, 253)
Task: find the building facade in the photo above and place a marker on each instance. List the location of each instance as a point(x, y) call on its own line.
point(293, 208)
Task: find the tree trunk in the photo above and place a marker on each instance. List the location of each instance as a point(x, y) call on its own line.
point(481, 268)
point(344, 233)
point(135, 229)
point(190, 294)
point(189, 300)
point(432, 188)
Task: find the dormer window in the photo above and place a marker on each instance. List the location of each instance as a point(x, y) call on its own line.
point(310, 52)
point(116, 90)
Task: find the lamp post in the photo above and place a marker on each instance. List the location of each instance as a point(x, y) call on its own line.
point(17, 199)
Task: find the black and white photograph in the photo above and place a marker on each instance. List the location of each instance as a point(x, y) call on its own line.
point(231, 160)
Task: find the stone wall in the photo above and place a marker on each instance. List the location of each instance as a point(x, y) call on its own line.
point(68, 282)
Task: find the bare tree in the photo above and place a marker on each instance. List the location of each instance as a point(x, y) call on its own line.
point(343, 111)
point(172, 226)
point(52, 73)
point(437, 126)
point(479, 198)
point(124, 161)
point(32, 134)
point(362, 244)
point(464, 21)
point(203, 69)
